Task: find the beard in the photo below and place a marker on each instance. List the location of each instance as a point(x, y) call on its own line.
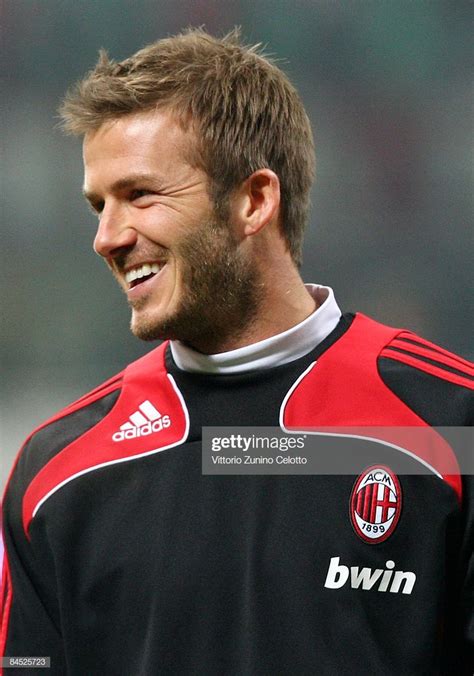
point(221, 292)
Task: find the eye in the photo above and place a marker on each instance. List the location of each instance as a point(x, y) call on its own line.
point(137, 194)
point(96, 207)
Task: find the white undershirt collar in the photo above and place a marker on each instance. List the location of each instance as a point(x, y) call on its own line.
point(274, 351)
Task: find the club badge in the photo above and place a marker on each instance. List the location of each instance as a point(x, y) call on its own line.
point(376, 503)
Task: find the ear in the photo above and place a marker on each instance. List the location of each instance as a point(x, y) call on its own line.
point(257, 201)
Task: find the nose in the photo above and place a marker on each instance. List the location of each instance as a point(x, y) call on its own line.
point(114, 232)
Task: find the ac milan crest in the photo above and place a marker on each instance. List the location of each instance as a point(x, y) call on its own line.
point(376, 503)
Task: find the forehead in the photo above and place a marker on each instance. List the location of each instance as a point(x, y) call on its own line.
point(146, 142)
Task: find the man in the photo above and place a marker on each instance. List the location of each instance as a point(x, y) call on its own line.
point(122, 557)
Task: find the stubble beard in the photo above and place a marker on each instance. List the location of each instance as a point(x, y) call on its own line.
point(221, 293)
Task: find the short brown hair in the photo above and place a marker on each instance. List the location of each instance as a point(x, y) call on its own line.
point(247, 114)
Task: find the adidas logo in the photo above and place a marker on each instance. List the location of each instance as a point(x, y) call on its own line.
point(146, 420)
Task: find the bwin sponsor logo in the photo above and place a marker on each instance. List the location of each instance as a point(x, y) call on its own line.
point(391, 580)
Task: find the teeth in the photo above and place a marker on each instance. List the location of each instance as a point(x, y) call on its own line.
point(141, 271)
point(131, 276)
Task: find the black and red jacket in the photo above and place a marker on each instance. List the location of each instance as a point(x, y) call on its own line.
point(122, 558)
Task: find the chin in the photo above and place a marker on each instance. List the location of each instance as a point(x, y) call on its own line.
point(146, 334)
point(149, 328)
point(148, 331)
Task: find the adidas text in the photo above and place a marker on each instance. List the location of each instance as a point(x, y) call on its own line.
point(143, 430)
point(365, 578)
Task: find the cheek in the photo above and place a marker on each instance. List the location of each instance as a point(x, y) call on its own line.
point(181, 271)
point(165, 225)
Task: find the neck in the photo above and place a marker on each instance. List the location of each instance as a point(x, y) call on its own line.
point(274, 351)
point(285, 302)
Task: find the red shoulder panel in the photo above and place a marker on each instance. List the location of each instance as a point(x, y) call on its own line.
point(343, 389)
point(149, 396)
point(106, 387)
point(102, 390)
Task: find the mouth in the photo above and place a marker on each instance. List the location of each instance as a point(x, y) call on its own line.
point(139, 274)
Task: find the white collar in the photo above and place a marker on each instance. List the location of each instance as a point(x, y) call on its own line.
point(274, 351)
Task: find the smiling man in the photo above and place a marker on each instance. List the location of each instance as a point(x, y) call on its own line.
point(122, 557)
point(173, 250)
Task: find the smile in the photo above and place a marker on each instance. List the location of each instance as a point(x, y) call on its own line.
point(141, 273)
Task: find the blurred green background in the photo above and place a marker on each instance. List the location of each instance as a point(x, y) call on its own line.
point(387, 85)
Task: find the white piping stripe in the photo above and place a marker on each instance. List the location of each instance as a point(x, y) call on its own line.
point(291, 390)
point(127, 459)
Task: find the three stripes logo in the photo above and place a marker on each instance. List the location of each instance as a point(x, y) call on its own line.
point(420, 354)
point(146, 420)
point(376, 504)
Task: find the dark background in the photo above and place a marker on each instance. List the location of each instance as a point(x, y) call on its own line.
point(387, 85)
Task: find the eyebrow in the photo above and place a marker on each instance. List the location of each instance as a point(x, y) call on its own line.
point(124, 183)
